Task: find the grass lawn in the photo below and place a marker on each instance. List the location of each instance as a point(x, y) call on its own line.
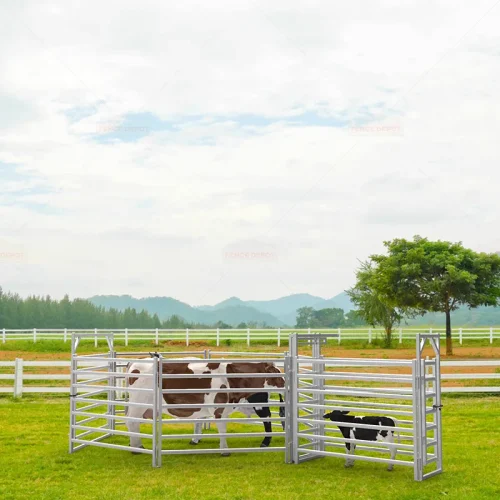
point(20, 347)
point(35, 464)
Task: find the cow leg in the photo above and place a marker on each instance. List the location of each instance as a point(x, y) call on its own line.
point(348, 462)
point(265, 413)
point(197, 430)
point(132, 426)
point(282, 412)
point(222, 429)
point(390, 439)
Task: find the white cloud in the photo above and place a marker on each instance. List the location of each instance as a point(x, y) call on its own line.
point(153, 216)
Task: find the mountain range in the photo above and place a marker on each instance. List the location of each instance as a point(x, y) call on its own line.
point(277, 312)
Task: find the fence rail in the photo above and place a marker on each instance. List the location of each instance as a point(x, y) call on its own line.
point(245, 335)
point(18, 375)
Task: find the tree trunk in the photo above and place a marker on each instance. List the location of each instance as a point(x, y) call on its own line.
point(449, 346)
point(388, 336)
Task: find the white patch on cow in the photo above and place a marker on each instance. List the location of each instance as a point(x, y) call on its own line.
point(246, 410)
point(269, 386)
point(146, 397)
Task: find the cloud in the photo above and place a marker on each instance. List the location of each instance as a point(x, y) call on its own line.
point(139, 147)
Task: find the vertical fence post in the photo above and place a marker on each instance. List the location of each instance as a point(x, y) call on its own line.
point(95, 337)
point(217, 337)
point(126, 336)
point(460, 336)
point(417, 431)
point(400, 335)
point(65, 334)
point(156, 337)
point(279, 337)
point(3, 336)
point(430, 331)
point(369, 335)
point(18, 378)
point(187, 336)
point(491, 335)
point(338, 331)
point(34, 335)
point(309, 331)
point(248, 336)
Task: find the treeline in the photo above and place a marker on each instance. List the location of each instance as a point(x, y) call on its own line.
point(44, 312)
point(307, 317)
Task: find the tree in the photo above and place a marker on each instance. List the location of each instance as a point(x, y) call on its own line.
point(328, 318)
point(437, 276)
point(221, 325)
point(354, 318)
point(305, 317)
point(372, 301)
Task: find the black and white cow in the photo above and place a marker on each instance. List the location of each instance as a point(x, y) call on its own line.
point(234, 390)
point(383, 435)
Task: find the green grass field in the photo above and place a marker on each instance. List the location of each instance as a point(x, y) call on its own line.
point(87, 346)
point(35, 464)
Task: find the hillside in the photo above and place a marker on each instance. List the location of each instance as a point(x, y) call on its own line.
point(165, 307)
point(277, 312)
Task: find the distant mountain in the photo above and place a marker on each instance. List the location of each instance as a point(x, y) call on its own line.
point(277, 312)
point(230, 313)
point(478, 317)
point(232, 301)
point(285, 308)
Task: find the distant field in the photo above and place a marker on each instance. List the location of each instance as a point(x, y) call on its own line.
point(35, 464)
point(53, 346)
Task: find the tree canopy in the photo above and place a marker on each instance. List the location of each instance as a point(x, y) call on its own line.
point(45, 312)
point(372, 303)
point(437, 276)
point(307, 317)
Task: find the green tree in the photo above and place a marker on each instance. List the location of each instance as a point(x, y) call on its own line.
point(373, 302)
point(305, 316)
point(437, 276)
point(222, 325)
point(354, 318)
point(328, 318)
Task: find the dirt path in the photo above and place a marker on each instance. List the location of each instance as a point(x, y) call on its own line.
point(460, 353)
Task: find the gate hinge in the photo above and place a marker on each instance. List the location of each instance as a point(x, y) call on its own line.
point(437, 407)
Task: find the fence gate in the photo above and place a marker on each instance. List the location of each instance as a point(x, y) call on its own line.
point(407, 391)
point(428, 446)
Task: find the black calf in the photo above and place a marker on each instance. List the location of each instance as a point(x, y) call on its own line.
point(383, 435)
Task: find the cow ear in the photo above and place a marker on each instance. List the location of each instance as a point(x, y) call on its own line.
point(270, 368)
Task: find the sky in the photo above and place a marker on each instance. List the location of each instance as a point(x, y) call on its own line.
point(203, 150)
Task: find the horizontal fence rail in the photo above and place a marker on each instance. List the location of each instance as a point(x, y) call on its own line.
point(246, 335)
point(23, 376)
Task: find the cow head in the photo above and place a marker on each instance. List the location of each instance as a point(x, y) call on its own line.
point(336, 415)
point(276, 378)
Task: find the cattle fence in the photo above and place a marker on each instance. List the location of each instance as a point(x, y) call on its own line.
point(246, 335)
point(312, 385)
point(22, 376)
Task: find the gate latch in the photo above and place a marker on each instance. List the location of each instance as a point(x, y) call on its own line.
point(437, 407)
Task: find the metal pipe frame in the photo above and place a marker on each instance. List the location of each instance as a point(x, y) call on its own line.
point(306, 398)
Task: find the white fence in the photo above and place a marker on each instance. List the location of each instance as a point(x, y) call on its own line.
point(245, 335)
point(18, 375)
